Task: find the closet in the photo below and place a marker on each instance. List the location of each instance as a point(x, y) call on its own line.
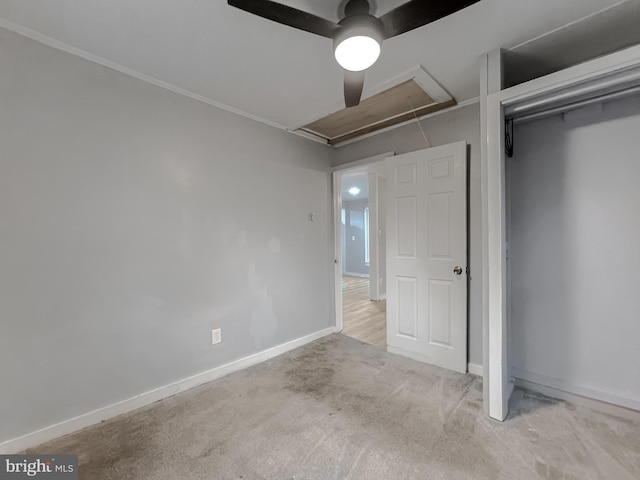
point(573, 229)
point(561, 225)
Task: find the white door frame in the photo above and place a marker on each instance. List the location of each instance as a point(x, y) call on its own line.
point(563, 86)
point(373, 164)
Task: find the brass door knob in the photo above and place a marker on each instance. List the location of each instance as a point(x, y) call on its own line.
point(457, 270)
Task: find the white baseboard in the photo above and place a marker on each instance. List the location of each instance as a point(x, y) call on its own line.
point(557, 387)
point(91, 418)
point(352, 274)
point(511, 386)
point(475, 369)
point(597, 405)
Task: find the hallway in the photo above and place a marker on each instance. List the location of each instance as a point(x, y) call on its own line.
point(363, 319)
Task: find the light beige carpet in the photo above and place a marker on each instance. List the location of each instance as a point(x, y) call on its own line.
point(340, 409)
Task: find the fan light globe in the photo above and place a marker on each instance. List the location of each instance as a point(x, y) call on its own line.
point(357, 53)
point(357, 44)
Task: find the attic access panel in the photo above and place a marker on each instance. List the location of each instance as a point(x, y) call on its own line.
point(399, 103)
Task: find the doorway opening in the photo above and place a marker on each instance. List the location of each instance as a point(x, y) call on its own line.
point(360, 258)
point(364, 316)
point(416, 218)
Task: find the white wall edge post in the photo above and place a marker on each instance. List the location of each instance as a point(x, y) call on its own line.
point(491, 81)
point(498, 361)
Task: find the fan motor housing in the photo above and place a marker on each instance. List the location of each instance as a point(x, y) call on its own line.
point(365, 25)
point(357, 7)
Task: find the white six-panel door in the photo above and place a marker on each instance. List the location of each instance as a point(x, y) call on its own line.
point(427, 256)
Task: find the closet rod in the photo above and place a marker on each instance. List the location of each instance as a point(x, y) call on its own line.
point(573, 106)
point(609, 83)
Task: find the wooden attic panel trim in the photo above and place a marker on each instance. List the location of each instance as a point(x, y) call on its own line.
point(394, 121)
point(402, 98)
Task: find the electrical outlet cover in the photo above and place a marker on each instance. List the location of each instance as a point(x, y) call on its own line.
point(216, 336)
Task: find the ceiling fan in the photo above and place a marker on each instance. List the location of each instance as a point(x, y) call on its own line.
point(357, 38)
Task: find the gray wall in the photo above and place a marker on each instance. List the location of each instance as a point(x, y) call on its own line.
point(461, 124)
point(354, 237)
point(132, 222)
point(575, 256)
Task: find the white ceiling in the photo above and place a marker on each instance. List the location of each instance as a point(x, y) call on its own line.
point(272, 72)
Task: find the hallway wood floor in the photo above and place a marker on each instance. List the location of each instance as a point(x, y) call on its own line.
point(363, 319)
